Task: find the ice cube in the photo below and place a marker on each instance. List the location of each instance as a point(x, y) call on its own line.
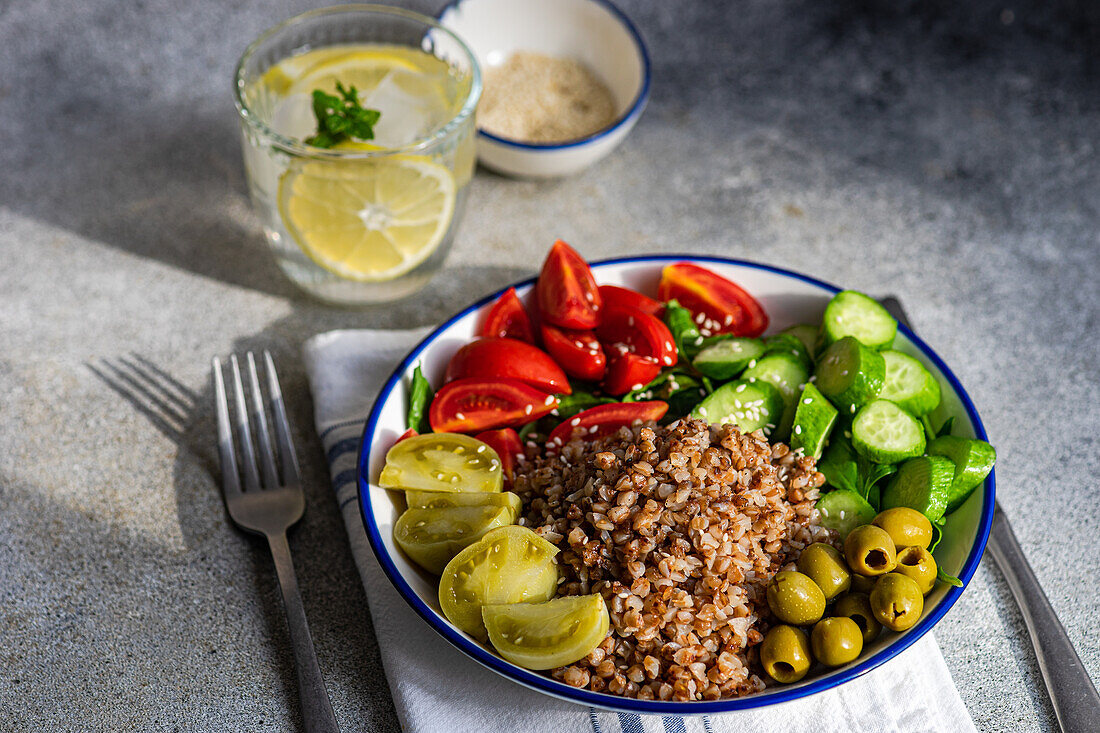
point(406, 115)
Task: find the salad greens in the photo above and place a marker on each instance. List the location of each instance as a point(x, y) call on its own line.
point(420, 396)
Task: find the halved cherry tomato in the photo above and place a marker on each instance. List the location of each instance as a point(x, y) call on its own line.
point(578, 352)
point(506, 357)
point(628, 371)
point(614, 295)
point(508, 318)
point(410, 433)
point(473, 405)
point(719, 306)
point(507, 444)
point(629, 329)
point(601, 420)
point(566, 292)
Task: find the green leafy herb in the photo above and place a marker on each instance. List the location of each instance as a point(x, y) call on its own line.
point(838, 465)
point(931, 431)
point(570, 404)
point(946, 578)
point(420, 396)
point(937, 535)
point(341, 118)
point(843, 468)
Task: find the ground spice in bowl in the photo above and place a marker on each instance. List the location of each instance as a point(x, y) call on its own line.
point(537, 98)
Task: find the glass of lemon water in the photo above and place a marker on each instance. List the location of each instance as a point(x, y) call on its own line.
point(365, 220)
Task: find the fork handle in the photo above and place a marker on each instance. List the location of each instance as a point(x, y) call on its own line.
point(1076, 702)
point(316, 708)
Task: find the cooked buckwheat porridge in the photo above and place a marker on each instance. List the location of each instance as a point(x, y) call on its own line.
point(680, 528)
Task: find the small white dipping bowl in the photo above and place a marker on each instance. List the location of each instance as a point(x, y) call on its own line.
point(594, 32)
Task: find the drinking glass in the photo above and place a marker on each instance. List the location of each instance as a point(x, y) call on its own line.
point(363, 221)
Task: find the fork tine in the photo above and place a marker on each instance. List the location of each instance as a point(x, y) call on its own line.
point(251, 474)
point(231, 483)
point(282, 426)
point(267, 455)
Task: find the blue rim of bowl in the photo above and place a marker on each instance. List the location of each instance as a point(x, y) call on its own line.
point(622, 704)
point(629, 116)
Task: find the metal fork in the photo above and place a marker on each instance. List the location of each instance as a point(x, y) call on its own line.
point(1074, 697)
point(269, 507)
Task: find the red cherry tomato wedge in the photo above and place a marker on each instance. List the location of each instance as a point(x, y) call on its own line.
point(507, 444)
point(566, 291)
point(508, 318)
point(720, 306)
point(578, 352)
point(601, 420)
point(629, 329)
point(627, 372)
point(493, 356)
point(613, 295)
point(474, 405)
point(410, 433)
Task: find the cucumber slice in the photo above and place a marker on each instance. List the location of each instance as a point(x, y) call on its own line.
point(850, 374)
point(806, 333)
point(727, 358)
point(884, 433)
point(844, 510)
point(790, 345)
point(788, 374)
point(748, 405)
point(850, 313)
point(908, 384)
point(922, 484)
point(973, 461)
point(814, 418)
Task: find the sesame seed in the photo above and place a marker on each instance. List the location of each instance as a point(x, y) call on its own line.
point(807, 401)
point(528, 410)
point(460, 416)
point(798, 430)
point(549, 399)
point(575, 422)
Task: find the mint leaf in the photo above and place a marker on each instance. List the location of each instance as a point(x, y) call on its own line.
point(341, 118)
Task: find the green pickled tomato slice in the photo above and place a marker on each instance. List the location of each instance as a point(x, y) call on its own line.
point(550, 634)
point(508, 565)
point(431, 537)
point(442, 499)
point(442, 462)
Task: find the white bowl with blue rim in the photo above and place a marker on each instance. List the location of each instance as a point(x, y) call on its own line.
point(594, 32)
point(789, 298)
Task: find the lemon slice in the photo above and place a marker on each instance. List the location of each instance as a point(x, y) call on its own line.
point(368, 220)
point(363, 70)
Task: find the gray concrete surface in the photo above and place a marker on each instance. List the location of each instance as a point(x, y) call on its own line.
point(945, 152)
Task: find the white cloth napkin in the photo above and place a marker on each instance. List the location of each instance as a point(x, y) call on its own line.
point(437, 688)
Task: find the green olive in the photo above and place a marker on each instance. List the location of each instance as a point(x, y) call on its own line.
point(897, 601)
point(862, 584)
point(785, 654)
point(825, 566)
point(836, 641)
point(857, 606)
point(918, 564)
point(907, 527)
point(869, 550)
point(795, 599)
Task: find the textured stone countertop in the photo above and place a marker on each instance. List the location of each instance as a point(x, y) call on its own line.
point(943, 152)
